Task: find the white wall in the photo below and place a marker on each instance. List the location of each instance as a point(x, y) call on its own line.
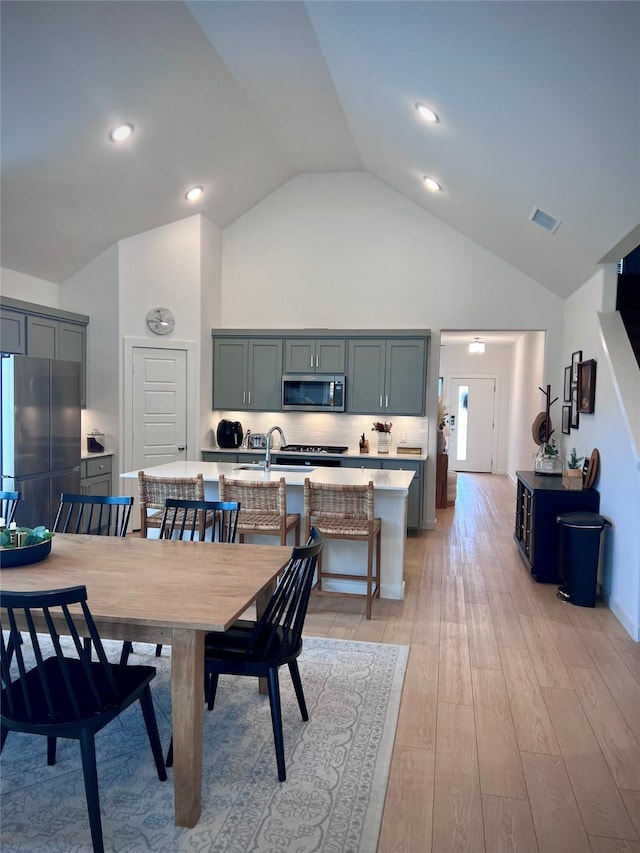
point(619, 478)
point(17, 285)
point(210, 317)
point(344, 250)
point(525, 402)
point(93, 290)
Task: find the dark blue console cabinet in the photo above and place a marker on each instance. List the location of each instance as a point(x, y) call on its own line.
point(540, 500)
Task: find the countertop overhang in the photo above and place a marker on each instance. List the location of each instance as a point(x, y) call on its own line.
point(383, 479)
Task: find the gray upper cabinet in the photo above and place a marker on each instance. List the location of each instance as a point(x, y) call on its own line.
point(48, 338)
point(247, 373)
point(405, 377)
point(13, 331)
point(43, 332)
point(324, 355)
point(386, 377)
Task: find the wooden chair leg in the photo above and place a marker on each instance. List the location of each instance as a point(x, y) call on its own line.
point(276, 720)
point(88, 752)
point(158, 650)
point(4, 731)
point(369, 575)
point(297, 686)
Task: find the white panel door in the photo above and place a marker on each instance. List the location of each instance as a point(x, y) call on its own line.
point(472, 423)
point(159, 406)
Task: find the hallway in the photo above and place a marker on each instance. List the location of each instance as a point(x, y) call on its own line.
point(519, 727)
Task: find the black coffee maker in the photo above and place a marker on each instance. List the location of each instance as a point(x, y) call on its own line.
point(229, 434)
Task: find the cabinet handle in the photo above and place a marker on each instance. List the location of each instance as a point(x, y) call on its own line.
point(380, 400)
point(311, 365)
point(249, 400)
point(386, 402)
point(244, 397)
point(317, 361)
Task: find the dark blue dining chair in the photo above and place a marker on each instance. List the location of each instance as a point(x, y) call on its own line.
point(258, 648)
point(8, 504)
point(196, 520)
point(53, 694)
point(96, 515)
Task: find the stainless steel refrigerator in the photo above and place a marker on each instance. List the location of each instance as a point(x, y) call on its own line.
point(40, 434)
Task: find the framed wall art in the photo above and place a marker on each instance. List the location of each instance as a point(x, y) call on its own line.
point(587, 386)
point(576, 358)
point(574, 420)
point(566, 419)
point(567, 384)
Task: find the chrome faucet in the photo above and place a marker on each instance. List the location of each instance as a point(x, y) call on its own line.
point(267, 441)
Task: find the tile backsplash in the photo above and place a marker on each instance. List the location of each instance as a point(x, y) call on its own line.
point(325, 428)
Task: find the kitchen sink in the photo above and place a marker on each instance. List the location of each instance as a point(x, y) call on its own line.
point(293, 468)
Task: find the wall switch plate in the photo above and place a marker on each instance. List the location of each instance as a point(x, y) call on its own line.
point(403, 438)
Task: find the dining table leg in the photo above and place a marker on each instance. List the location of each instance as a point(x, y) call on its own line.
point(187, 702)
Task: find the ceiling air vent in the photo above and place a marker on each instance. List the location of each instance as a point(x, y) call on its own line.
point(544, 220)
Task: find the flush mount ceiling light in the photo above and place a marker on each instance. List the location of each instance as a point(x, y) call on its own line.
point(120, 133)
point(431, 184)
point(194, 193)
point(426, 113)
point(476, 346)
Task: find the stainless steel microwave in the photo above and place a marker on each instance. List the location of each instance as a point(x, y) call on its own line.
point(312, 393)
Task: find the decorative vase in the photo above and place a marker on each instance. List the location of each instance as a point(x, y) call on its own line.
point(572, 479)
point(442, 442)
point(384, 442)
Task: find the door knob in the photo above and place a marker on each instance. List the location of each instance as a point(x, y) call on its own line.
point(182, 447)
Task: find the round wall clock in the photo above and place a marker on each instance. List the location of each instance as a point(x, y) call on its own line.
point(161, 321)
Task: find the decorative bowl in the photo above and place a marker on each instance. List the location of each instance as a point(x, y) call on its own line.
point(13, 558)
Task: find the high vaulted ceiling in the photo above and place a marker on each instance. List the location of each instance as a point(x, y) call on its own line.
point(538, 105)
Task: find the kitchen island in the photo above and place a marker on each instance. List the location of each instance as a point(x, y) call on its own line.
point(390, 488)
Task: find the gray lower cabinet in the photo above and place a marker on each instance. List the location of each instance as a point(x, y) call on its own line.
point(247, 374)
point(414, 498)
point(96, 476)
point(214, 456)
point(324, 355)
point(28, 330)
point(386, 377)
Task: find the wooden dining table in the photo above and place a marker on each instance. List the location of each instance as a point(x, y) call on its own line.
point(163, 591)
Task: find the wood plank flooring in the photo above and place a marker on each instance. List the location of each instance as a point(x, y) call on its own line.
point(519, 728)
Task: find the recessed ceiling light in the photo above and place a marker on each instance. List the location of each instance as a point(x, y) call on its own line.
point(426, 113)
point(119, 134)
point(194, 193)
point(431, 184)
point(476, 346)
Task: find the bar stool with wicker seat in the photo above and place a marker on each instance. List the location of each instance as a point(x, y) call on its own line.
point(345, 512)
point(263, 508)
point(153, 492)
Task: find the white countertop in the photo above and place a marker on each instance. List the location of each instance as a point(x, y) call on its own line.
point(383, 479)
point(86, 455)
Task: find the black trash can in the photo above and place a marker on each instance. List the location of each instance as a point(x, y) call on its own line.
point(580, 549)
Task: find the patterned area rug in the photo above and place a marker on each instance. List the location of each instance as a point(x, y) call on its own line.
point(337, 766)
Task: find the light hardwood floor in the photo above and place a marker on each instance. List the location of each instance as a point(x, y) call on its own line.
point(519, 728)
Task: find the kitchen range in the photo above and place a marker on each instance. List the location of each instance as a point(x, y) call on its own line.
point(319, 449)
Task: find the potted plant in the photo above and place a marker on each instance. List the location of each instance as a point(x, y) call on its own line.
point(383, 429)
point(572, 475)
point(548, 460)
